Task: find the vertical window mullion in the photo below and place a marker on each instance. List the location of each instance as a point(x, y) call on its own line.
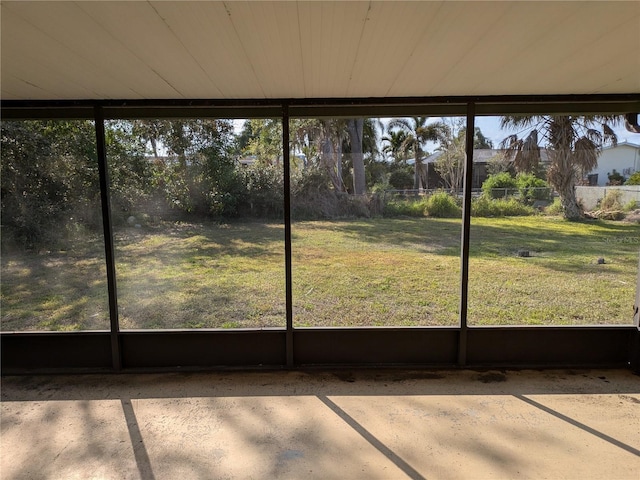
point(108, 237)
point(465, 235)
point(287, 234)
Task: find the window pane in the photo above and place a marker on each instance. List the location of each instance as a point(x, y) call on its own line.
point(198, 227)
point(53, 265)
point(552, 241)
point(376, 242)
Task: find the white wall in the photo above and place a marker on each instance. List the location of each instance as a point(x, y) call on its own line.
point(623, 157)
point(589, 196)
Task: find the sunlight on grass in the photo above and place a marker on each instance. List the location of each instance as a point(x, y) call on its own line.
point(379, 272)
point(202, 276)
point(60, 290)
point(561, 282)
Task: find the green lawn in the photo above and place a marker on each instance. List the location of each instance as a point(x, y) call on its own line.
point(376, 272)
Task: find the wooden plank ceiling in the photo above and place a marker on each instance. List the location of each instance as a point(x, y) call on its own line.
point(261, 49)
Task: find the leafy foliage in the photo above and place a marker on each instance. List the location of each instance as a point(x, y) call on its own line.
point(264, 191)
point(485, 206)
point(401, 179)
point(615, 178)
point(499, 185)
point(555, 208)
point(634, 179)
point(49, 180)
point(396, 206)
point(418, 132)
point(532, 188)
point(442, 205)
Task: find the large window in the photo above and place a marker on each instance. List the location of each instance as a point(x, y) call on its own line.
point(53, 256)
point(197, 215)
point(534, 258)
point(376, 221)
point(198, 220)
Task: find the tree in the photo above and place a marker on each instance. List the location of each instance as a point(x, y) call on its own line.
point(572, 142)
point(49, 180)
point(198, 174)
point(151, 132)
point(397, 146)
point(331, 138)
point(480, 141)
point(355, 127)
point(419, 132)
point(264, 140)
point(451, 161)
point(305, 139)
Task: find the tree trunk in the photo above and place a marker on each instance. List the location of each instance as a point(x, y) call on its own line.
point(570, 208)
point(338, 164)
point(356, 128)
point(330, 156)
point(417, 183)
point(562, 178)
point(417, 171)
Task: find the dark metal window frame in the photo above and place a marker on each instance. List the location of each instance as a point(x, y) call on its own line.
point(446, 347)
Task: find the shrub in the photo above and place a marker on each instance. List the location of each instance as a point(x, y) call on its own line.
point(264, 190)
point(611, 200)
point(631, 205)
point(499, 185)
point(313, 197)
point(615, 178)
point(485, 206)
point(633, 179)
point(409, 207)
point(532, 188)
point(555, 208)
point(401, 179)
point(442, 205)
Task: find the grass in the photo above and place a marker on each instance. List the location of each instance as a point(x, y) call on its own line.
point(400, 272)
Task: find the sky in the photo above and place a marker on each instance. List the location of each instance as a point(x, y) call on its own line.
point(490, 127)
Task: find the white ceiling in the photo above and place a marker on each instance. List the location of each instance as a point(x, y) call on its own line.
point(261, 49)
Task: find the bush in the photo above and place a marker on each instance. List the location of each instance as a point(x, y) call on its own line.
point(485, 206)
point(499, 185)
point(401, 180)
point(408, 207)
point(313, 197)
point(633, 179)
point(442, 205)
point(264, 190)
point(611, 201)
point(555, 208)
point(532, 188)
point(615, 178)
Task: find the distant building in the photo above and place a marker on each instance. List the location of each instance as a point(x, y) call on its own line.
point(482, 159)
point(624, 158)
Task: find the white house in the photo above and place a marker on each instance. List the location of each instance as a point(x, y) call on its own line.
point(623, 158)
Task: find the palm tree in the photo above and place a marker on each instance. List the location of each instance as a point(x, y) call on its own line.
point(305, 135)
point(418, 134)
point(573, 144)
point(397, 146)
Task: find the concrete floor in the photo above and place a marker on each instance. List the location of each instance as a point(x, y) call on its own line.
point(372, 424)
